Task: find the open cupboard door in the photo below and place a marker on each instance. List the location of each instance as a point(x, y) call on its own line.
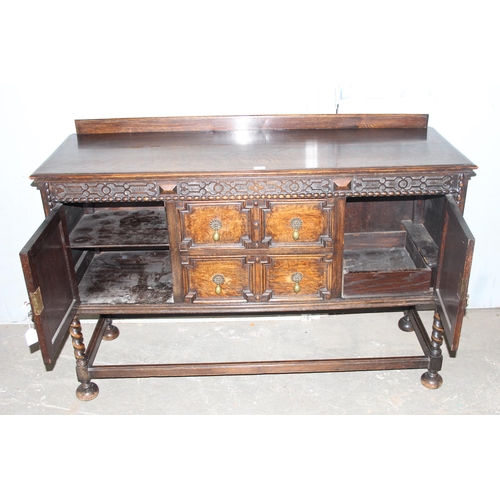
point(455, 260)
point(51, 283)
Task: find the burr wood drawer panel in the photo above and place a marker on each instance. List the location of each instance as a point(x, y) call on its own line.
point(216, 280)
point(297, 277)
point(297, 223)
point(219, 224)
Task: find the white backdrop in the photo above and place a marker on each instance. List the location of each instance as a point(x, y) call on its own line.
point(66, 60)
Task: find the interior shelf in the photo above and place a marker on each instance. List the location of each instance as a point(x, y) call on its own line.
point(146, 227)
point(132, 277)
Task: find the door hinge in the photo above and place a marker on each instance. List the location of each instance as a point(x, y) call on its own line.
point(37, 302)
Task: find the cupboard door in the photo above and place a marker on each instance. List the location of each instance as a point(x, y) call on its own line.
point(454, 265)
point(51, 283)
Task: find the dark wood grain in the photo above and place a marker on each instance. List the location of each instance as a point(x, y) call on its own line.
point(366, 283)
point(181, 155)
point(259, 367)
point(251, 122)
point(377, 214)
point(48, 270)
point(455, 262)
point(423, 242)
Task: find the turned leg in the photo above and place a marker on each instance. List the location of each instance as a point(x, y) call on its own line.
point(87, 390)
point(405, 323)
point(431, 378)
point(110, 332)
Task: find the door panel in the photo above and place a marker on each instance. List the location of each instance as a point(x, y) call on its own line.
point(51, 283)
point(455, 260)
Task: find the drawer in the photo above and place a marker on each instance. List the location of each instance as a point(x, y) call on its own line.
point(217, 280)
point(297, 223)
point(214, 224)
point(297, 278)
point(366, 283)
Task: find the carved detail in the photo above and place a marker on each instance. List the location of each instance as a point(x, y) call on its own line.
point(431, 378)
point(87, 390)
point(104, 191)
point(255, 188)
point(47, 197)
point(75, 331)
point(235, 189)
point(405, 185)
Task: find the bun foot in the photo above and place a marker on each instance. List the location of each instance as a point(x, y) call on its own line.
point(431, 380)
point(405, 324)
point(111, 332)
point(87, 391)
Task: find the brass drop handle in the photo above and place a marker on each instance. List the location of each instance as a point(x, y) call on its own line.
point(296, 278)
point(296, 224)
point(216, 225)
point(218, 279)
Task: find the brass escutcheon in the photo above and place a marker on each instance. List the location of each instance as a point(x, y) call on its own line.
point(296, 278)
point(296, 224)
point(218, 279)
point(216, 225)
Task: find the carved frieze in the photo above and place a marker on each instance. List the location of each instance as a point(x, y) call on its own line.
point(193, 189)
point(103, 191)
point(417, 184)
point(255, 188)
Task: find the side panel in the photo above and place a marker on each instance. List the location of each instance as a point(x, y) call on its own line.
point(51, 283)
point(455, 261)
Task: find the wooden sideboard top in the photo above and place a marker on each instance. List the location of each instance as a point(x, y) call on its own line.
point(246, 145)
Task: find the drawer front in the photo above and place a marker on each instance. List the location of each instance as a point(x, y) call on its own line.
point(297, 223)
point(402, 282)
point(211, 280)
point(297, 278)
point(214, 224)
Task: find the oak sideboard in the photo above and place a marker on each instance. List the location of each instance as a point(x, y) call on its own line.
point(225, 215)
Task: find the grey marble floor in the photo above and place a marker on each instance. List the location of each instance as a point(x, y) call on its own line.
point(471, 379)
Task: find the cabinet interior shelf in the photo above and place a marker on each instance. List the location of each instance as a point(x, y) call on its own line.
point(130, 277)
point(107, 228)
